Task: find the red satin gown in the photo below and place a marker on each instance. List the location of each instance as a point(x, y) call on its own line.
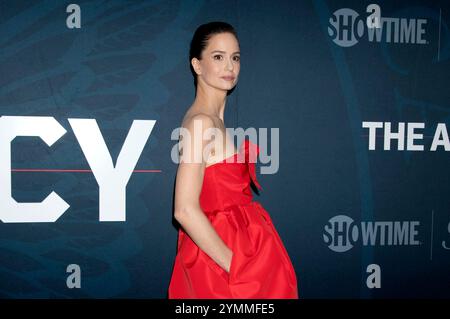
point(260, 265)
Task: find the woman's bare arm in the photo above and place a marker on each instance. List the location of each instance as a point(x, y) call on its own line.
point(189, 182)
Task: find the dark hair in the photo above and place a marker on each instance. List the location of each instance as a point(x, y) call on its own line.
point(200, 40)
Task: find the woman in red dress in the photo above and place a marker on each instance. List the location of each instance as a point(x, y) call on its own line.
point(227, 246)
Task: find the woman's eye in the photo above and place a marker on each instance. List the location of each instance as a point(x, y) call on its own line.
point(220, 57)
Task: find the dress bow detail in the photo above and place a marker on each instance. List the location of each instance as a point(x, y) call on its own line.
point(250, 152)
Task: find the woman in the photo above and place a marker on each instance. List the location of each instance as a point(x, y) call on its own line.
point(227, 244)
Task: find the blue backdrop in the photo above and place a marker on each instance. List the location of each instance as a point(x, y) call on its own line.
point(357, 221)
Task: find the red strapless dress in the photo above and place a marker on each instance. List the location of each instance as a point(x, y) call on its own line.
point(260, 266)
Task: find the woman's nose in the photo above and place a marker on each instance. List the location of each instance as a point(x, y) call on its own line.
point(229, 65)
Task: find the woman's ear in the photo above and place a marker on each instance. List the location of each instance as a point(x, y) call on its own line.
point(196, 66)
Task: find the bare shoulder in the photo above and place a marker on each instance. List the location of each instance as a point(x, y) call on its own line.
point(205, 120)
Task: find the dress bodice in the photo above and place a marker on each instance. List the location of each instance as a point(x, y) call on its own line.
point(227, 183)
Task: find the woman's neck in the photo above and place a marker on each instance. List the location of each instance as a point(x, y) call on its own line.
point(211, 101)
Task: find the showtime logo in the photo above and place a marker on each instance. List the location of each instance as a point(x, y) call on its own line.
point(346, 27)
point(341, 233)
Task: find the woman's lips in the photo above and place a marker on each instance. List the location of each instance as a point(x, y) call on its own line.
point(228, 78)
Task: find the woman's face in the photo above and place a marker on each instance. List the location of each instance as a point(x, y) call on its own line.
point(220, 62)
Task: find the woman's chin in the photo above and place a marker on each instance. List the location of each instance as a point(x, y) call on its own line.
point(225, 88)
point(230, 86)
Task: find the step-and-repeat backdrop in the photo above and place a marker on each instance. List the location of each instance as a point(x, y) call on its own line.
point(354, 97)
